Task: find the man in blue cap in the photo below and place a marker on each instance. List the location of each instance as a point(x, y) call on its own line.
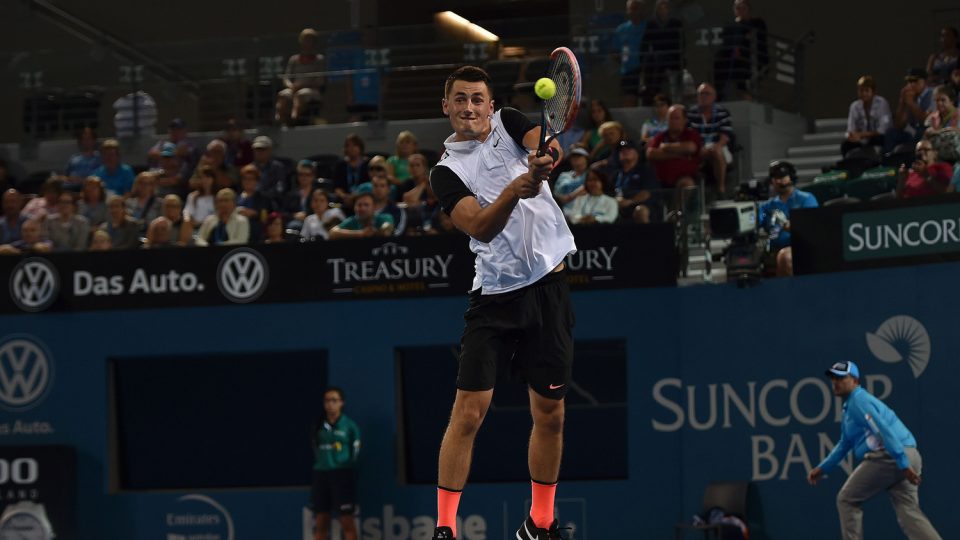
point(889, 459)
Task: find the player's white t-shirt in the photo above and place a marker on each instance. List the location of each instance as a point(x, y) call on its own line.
point(536, 237)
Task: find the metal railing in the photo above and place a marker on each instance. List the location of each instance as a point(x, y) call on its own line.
point(397, 74)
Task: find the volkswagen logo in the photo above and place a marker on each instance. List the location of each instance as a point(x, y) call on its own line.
point(34, 284)
point(242, 275)
point(26, 371)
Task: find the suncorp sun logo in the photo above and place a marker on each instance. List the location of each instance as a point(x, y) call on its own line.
point(901, 337)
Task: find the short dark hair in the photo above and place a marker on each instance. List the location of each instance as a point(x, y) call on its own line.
point(355, 139)
point(469, 74)
point(336, 389)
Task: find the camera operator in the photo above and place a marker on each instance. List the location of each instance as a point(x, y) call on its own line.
point(774, 215)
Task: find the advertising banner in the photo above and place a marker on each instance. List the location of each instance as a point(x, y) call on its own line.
point(38, 492)
point(607, 257)
point(876, 234)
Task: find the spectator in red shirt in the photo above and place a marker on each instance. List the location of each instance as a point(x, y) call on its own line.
point(675, 153)
point(927, 175)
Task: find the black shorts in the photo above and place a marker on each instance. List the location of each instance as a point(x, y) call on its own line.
point(522, 335)
point(334, 492)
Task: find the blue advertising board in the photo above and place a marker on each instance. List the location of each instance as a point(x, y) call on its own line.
point(721, 384)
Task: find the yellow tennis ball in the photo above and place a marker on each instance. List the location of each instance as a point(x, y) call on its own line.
point(545, 88)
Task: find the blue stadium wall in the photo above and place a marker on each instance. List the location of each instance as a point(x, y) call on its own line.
point(722, 384)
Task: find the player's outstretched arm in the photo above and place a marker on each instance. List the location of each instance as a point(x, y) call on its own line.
point(485, 224)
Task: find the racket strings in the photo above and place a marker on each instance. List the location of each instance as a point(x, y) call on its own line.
point(560, 73)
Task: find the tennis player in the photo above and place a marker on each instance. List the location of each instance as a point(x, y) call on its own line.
point(889, 459)
point(519, 320)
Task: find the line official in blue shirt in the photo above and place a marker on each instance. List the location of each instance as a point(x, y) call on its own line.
point(889, 460)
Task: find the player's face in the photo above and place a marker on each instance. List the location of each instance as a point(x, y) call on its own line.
point(332, 404)
point(469, 106)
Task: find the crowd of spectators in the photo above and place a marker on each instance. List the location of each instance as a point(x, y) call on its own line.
point(924, 123)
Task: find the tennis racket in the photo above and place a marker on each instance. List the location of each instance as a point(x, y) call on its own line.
point(559, 112)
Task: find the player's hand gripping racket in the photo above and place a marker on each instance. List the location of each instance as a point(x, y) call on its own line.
point(559, 111)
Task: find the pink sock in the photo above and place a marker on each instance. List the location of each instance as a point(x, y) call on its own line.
point(447, 502)
point(541, 510)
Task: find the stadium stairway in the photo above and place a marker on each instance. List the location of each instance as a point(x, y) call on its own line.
point(815, 150)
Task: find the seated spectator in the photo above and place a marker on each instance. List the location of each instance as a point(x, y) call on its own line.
point(46, 203)
point(124, 231)
point(142, 205)
point(380, 165)
point(712, 122)
point(662, 48)
point(869, 118)
point(954, 83)
point(363, 222)
point(181, 229)
point(734, 65)
point(100, 241)
point(200, 203)
point(414, 187)
point(941, 64)
point(405, 147)
point(599, 115)
point(172, 173)
point(635, 185)
point(383, 205)
point(93, 202)
point(422, 203)
point(83, 163)
point(945, 115)
point(117, 177)
point(955, 181)
point(252, 204)
point(31, 240)
point(658, 124)
point(273, 175)
point(215, 158)
point(577, 130)
point(569, 184)
point(303, 80)
point(239, 148)
point(67, 230)
point(178, 136)
point(774, 214)
point(675, 154)
point(611, 133)
point(275, 233)
point(225, 226)
point(927, 176)
point(159, 234)
point(12, 220)
point(915, 103)
point(296, 205)
point(352, 170)
point(323, 218)
point(594, 206)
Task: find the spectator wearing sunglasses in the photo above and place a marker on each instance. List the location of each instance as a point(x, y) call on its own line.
point(927, 175)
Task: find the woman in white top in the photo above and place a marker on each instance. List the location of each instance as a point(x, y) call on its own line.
point(200, 202)
point(323, 218)
point(595, 206)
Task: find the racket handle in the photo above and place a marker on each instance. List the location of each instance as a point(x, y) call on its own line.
point(543, 130)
